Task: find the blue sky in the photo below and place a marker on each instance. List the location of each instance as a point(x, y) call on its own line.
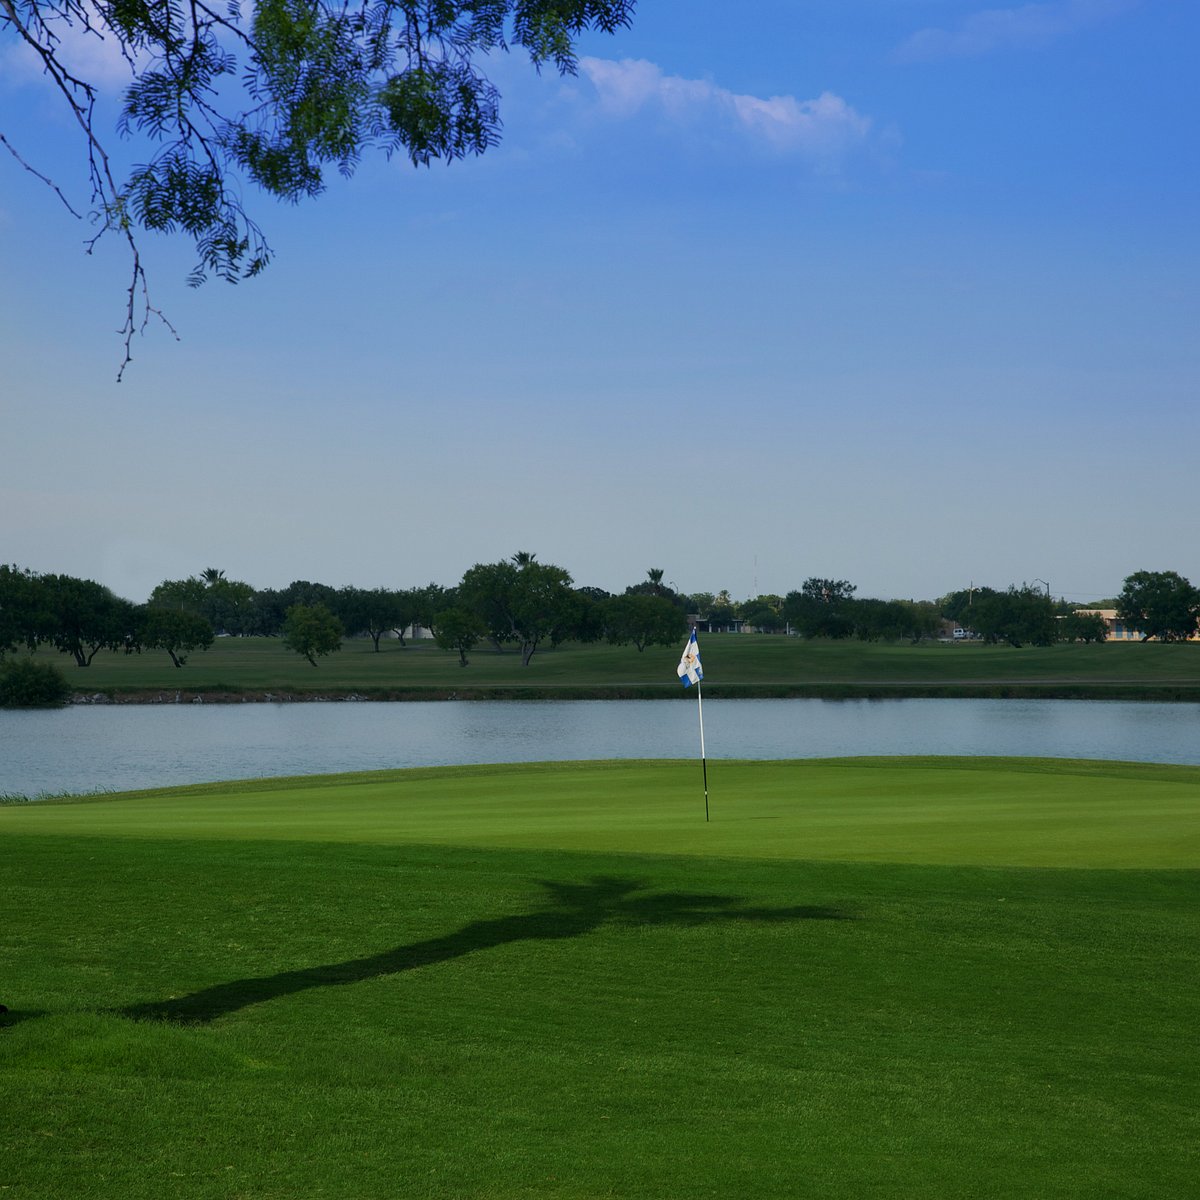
point(898, 291)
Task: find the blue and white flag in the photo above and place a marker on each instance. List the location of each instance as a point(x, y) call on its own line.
point(689, 669)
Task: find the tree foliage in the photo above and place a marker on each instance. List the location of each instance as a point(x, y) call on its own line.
point(424, 604)
point(722, 611)
point(644, 621)
point(1162, 604)
point(543, 607)
point(590, 621)
point(276, 93)
point(23, 619)
point(373, 611)
point(312, 631)
point(1082, 627)
point(228, 605)
point(459, 629)
point(527, 604)
point(1016, 616)
point(960, 606)
point(486, 589)
point(84, 617)
point(821, 608)
point(653, 585)
point(174, 630)
point(28, 684)
point(763, 613)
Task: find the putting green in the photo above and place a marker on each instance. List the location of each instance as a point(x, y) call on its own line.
point(964, 811)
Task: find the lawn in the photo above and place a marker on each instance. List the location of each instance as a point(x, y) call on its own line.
point(734, 664)
point(862, 977)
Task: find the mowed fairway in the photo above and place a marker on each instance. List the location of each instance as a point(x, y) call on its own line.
point(864, 977)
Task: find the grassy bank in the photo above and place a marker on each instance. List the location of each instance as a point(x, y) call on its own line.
point(887, 978)
point(735, 665)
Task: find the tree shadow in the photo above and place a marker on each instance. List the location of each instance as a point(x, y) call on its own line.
point(573, 909)
point(14, 1016)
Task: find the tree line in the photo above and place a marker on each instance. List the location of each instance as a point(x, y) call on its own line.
point(517, 601)
point(526, 604)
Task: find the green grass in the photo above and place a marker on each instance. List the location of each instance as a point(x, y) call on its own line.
point(734, 664)
point(977, 811)
point(929, 978)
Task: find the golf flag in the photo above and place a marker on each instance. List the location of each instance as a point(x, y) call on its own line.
point(689, 669)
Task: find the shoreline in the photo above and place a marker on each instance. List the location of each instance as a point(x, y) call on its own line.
point(986, 690)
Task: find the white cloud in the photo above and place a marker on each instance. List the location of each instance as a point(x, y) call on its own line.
point(91, 55)
point(1027, 27)
point(823, 129)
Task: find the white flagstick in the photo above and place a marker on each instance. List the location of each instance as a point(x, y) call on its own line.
point(690, 671)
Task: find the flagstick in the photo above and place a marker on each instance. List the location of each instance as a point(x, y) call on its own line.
point(703, 760)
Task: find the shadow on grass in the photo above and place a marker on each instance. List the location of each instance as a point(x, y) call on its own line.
point(12, 1017)
point(575, 909)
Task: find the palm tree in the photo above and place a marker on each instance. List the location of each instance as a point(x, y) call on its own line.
point(656, 574)
point(523, 559)
point(212, 576)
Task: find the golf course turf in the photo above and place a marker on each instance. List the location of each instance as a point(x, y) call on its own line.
point(762, 665)
point(863, 977)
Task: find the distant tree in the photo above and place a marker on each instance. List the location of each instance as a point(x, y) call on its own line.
point(372, 611)
point(644, 621)
point(174, 630)
point(187, 595)
point(960, 606)
point(877, 620)
point(84, 617)
point(265, 613)
point(459, 629)
point(723, 611)
point(821, 608)
point(543, 607)
point(422, 606)
point(764, 613)
point(1082, 627)
point(922, 619)
point(312, 631)
point(23, 608)
point(487, 590)
point(526, 604)
point(653, 585)
point(1017, 616)
point(523, 558)
point(1162, 604)
point(590, 613)
point(828, 591)
point(227, 605)
point(303, 591)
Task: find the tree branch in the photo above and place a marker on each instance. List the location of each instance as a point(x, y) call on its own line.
point(45, 179)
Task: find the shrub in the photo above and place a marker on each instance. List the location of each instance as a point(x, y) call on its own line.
point(28, 684)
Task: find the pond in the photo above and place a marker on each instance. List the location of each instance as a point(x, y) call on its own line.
point(115, 748)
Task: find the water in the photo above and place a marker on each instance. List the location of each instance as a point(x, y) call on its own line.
point(84, 749)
